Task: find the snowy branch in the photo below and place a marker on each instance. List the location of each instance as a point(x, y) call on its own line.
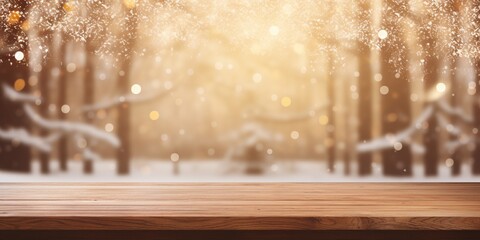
point(253, 132)
point(293, 117)
point(418, 148)
point(453, 145)
point(248, 135)
point(87, 152)
point(144, 98)
point(70, 127)
point(404, 136)
point(456, 112)
point(15, 96)
point(443, 122)
point(22, 136)
point(65, 127)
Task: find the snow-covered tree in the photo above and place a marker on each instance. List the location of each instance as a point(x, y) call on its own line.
point(476, 102)
point(387, 83)
point(251, 144)
point(14, 72)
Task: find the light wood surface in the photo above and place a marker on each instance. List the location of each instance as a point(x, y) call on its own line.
point(239, 206)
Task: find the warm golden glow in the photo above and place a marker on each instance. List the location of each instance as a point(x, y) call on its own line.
point(65, 108)
point(109, 127)
point(25, 25)
point(174, 157)
point(19, 55)
point(392, 117)
point(382, 34)
point(294, 135)
point(397, 146)
point(449, 162)
point(14, 17)
point(288, 78)
point(384, 90)
point(154, 115)
point(323, 120)
point(136, 89)
point(130, 4)
point(19, 84)
point(441, 87)
point(286, 101)
point(68, 6)
point(274, 30)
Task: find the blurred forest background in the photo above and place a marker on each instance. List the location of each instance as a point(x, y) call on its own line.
point(356, 85)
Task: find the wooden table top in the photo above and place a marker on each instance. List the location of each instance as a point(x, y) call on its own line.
point(239, 206)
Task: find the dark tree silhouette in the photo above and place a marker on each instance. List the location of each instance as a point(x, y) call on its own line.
point(330, 133)
point(428, 41)
point(45, 79)
point(62, 100)
point(454, 11)
point(14, 72)
point(365, 88)
point(88, 97)
point(124, 152)
point(396, 114)
point(476, 102)
point(476, 112)
point(63, 78)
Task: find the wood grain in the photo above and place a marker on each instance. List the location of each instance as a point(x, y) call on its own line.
point(239, 235)
point(239, 206)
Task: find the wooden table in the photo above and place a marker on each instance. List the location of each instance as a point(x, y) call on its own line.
point(239, 210)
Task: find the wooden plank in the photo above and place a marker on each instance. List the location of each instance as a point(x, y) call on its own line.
point(239, 206)
point(239, 235)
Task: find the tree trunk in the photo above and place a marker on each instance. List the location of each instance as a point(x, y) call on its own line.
point(476, 115)
point(44, 85)
point(431, 74)
point(365, 87)
point(349, 152)
point(123, 153)
point(330, 133)
point(62, 100)
point(456, 155)
point(396, 114)
point(476, 104)
point(14, 157)
point(88, 98)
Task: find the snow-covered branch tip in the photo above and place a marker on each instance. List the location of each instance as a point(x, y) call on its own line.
point(130, 98)
point(22, 136)
point(64, 127)
point(88, 153)
point(252, 132)
point(454, 111)
point(71, 127)
point(402, 137)
point(443, 122)
point(15, 96)
point(453, 145)
point(291, 117)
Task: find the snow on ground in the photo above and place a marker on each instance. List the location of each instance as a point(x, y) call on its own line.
point(222, 171)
